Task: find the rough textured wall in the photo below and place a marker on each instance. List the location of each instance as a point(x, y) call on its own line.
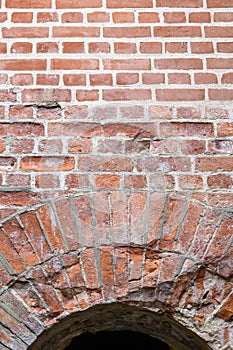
point(116, 170)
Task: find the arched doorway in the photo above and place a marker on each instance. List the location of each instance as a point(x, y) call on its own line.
point(153, 273)
point(110, 320)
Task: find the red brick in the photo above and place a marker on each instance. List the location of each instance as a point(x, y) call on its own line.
point(72, 17)
point(123, 17)
point(179, 78)
point(3, 16)
point(28, 4)
point(219, 181)
point(223, 17)
point(221, 146)
point(2, 146)
point(77, 181)
point(175, 211)
point(160, 112)
point(214, 163)
point(5, 276)
point(46, 17)
point(225, 47)
point(132, 4)
point(180, 94)
point(221, 94)
point(126, 32)
point(7, 95)
point(219, 3)
point(121, 272)
point(107, 272)
point(127, 78)
point(126, 48)
point(108, 181)
point(100, 79)
point(101, 47)
point(90, 268)
point(64, 4)
point(47, 181)
point(45, 113)
point(18, 180)
point(199, 17)
point(205, 78)
point(137, 146)
point(74, 64)
point(46, 95)
point(20, 199)
point(87, 95)
point(176, 47)
point(46, 47)
point(82, 145)
point(126, 94)
point(21, 129)
point(88, 130)
point(151, 268)
point(221, 239)
point(135, 111)
point(74, 79)
point(177, 31)
point(164, 146)
point(153, 78)
point(180, 63)
point(179, 3)
point(148, 17)
point(135, 181)
point(25, 32)
point(225, 129)
point(10, 254)
point(139, 130)
point(36, 163)
point(110, 146)
point(202, 47)
point(73, 32)
point(47, 79)
point(227, 78)
point(219, 32)
point(226, 310)
point(192, 146)
point(3, 48)
point(73, 112)
point(95, 163)
point(23, 146)
point(216, 113)
point(151, 47)
point(186, 129)
point(50, 146)
point(23, 64)
point(21, 48)
point(73, 47)
point(22, 17)
point(174, 17)
point(68, 222)
point(21, 243)
point(22, 79)
point(190, 182)
point(163, 164)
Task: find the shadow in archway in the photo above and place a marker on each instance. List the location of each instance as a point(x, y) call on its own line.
point(104, 339)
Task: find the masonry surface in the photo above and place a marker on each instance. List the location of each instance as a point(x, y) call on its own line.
point(116, 171)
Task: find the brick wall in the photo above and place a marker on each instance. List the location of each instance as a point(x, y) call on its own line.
point(116, 142)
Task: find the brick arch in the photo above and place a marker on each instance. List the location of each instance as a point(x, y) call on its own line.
point(169, 254)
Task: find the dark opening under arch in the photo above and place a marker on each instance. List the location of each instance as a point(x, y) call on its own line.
point(104, 339)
